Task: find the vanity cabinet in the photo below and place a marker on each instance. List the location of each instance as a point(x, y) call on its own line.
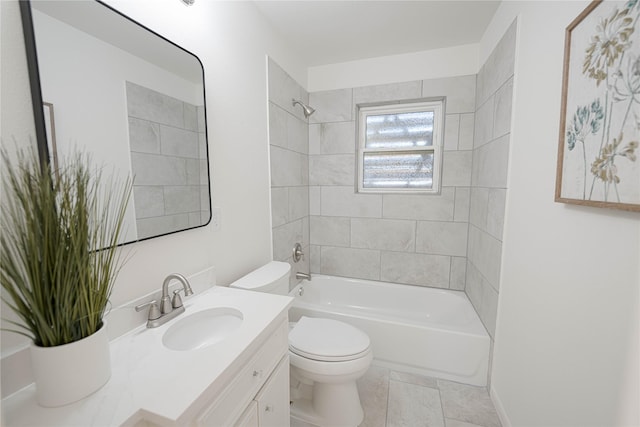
point(258, 395)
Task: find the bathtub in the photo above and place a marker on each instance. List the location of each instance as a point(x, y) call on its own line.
point(428, 331)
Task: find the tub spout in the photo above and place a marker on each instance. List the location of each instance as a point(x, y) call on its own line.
point(300, 275)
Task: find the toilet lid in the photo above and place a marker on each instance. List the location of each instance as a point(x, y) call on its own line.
point(327, 340)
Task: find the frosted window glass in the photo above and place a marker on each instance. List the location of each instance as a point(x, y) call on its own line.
point(400, 130)
point(398, 170)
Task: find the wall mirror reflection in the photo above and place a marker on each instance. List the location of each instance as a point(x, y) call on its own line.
point(132, 99)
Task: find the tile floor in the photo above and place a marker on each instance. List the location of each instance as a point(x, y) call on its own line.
point(394, 399)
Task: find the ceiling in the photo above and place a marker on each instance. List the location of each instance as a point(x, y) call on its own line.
point(327, 32)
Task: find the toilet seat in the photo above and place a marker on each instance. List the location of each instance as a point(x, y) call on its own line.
point(328, 340)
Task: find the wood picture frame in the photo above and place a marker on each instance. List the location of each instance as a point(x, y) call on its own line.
point(600, 110)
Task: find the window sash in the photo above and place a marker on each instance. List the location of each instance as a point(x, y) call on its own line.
point(435, 106)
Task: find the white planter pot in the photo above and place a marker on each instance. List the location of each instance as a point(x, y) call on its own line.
point(66, 373)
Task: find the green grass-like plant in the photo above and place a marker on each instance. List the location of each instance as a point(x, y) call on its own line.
point(51, 223)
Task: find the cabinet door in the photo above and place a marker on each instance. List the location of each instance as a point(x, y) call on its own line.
point(249, 418)
point(273, 398)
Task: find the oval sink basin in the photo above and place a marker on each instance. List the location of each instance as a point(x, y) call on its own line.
point(202, 329)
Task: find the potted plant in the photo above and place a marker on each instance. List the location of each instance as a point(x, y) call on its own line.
point(59, 232)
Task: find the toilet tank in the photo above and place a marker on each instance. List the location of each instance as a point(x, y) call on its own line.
point(272, 278)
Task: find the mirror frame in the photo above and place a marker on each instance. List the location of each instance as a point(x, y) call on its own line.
point(37, 101)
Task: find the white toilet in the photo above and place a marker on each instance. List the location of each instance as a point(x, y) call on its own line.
point(326, 358)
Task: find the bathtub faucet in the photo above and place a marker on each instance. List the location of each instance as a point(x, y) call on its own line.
point(300, 275)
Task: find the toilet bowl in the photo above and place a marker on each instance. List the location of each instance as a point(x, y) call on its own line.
point(326, 358)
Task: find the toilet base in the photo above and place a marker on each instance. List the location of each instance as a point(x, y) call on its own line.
point(331, 405)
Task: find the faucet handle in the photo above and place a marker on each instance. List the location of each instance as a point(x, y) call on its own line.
point(177, 301)
point(154, 310)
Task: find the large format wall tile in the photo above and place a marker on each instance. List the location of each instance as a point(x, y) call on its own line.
point(332, 138)
point(456, 168)
point(147, 104)
point(331, 169)
point(415, 269)
point(490, 164)
point(432, 207)
point(388, 92)
point(288, 168)
point(442, 238)
point(343, 201)
point(331, 106)
point(330, 231)
point(349, 262)
point(383, 234)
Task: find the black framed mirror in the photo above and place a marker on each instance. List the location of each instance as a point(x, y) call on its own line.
point(135, 101)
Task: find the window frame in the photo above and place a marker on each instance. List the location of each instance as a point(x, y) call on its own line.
point(437, 105)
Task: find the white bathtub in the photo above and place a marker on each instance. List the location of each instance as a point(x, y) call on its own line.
point(427, 331)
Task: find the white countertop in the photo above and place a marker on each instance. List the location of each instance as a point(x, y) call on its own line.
point(149, 381)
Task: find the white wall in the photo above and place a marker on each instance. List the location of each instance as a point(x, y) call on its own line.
point(430, 64)
point(566, 350)
point(232, 41)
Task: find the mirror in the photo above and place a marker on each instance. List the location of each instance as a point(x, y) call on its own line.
point(132, 99)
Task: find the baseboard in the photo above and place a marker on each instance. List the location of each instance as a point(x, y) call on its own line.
point(497, 403)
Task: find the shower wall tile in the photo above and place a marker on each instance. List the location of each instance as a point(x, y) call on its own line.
point(332, 138)
point(202, 126)
point(153, 169)
point(349, 262)
point(442, 238)
point(314, 200)
point(314, 259)
point(490, 164)
point(451, 131)
point(279, 206)
point(283, 88)
point(331, 106)
point(495, 212)
point(485, 252)
point(147, 104)
point(332, 169)
point(181, 199)
point(277, 126)
point(479, 207)
point(297, 134)
point(343, 201)
point(502, 109)
point(483, 131)
point(288, 168)
point(149, 201)
point(330, 231)
point(456, 168)
point(190, 117)
point(285, 237)
point(383, 234)
point(461, 206)
point(387, 92)
point(144, 136)
point(291, 197)
point(194, 176)
point(459, 92)
point(298, 202)
point(499, 66)
point(178, 142)
point(433, 207)
point(415, 269)
point(465, 137)
point(388, 222)
point(458, 273)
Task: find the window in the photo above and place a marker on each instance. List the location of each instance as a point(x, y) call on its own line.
point(400, 147)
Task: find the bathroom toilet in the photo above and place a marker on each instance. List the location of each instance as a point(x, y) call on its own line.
point(326, 357)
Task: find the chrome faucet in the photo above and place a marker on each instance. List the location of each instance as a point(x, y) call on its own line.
point(300, 275)
point(168, 308)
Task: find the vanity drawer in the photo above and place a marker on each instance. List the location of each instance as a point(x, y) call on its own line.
point(226, 409)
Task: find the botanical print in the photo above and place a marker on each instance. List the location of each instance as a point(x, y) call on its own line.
point(599, 145)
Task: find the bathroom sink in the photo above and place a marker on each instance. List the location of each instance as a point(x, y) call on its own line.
point(202, 329)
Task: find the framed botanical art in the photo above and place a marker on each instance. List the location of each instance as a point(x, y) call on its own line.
point(600, 112)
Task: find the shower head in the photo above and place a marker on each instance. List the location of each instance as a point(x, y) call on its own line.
point(305, 108)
